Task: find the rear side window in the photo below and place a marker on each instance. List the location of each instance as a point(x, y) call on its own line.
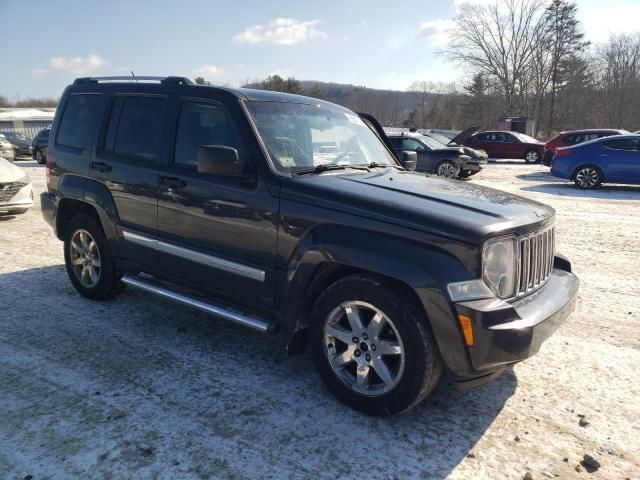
point(79, 120)
point(622, 144)
point(135, 126)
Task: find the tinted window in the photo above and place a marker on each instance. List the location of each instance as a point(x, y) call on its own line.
point(408, 144)
point(396, 142)
point(79, 121)
point(201, 124)
point(622, 144)
point(135, 126)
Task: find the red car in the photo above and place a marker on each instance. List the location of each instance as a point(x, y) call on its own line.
point(574, 137)
point(504, 144)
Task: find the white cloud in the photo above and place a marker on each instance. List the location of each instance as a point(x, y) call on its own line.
point(458, 4)
point(436, 31)
point(39, 71)
point(78, 65)
point(281, 31)
point(207, 71)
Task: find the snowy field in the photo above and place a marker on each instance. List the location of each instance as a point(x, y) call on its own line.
point(141, 388)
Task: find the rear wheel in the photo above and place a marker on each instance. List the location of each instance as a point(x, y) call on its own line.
point(88, 259)
point(371, 346)
point(588, 176)
point(532, 156)
point(447, 169)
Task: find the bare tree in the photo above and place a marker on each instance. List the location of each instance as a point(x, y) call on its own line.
point(499, 40)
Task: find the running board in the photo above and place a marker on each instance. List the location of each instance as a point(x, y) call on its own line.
point(259, 324)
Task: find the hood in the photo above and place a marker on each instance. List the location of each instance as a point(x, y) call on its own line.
point(456, 150)
point(10, 172)
point(447, 208)
point(464, 135)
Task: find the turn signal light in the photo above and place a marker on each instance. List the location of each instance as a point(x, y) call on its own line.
point(467, 329)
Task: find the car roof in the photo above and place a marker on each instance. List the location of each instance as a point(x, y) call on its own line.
point(591, 130)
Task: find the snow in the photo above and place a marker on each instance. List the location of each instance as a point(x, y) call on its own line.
point(139, 387)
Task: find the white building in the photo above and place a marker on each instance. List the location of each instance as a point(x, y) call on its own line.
point(28, 121)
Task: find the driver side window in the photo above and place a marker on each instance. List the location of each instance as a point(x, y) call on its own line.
point(201, 124)
point(409, 144)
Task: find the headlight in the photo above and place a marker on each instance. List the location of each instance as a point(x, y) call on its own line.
point(499, 266)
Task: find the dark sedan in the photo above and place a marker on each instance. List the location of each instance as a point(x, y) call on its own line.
point(39, 144)
point(21, 143)
point(503, 144)
point(433, 157)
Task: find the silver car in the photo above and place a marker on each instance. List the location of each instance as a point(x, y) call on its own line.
point(16, 194)
point(6, 149)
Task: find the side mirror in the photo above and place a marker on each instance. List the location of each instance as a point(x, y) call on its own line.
point(220, 160)
point(409, 160)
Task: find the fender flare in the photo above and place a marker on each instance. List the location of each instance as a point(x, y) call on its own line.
point(423, 268)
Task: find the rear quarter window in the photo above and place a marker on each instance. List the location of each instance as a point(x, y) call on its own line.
point(79, 120)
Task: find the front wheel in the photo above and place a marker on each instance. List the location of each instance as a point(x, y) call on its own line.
point(447, 169)
point(532, 156)
point(372, 348)
point(39, 157)
point(588, 177)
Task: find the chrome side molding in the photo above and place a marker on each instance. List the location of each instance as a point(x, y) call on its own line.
point(194, 256)
point(150, 286)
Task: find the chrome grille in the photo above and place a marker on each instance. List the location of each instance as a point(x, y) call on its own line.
point(535, 260)
point(8, 190)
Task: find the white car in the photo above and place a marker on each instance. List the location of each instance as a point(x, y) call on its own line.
point(6, 149)
point(16, 195)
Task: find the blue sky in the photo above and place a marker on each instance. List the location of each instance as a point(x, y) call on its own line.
point(377, 44)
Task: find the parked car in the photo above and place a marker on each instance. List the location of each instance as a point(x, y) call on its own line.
point(16, 195)
point(478, 155)
point(39, 145)
point(503, 144)
point(6, 149)
point(20, 141)
point(433, 157)
point(573, 137)
point(614, 159)
point(292, 216)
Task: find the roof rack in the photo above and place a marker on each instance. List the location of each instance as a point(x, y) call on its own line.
point(130, 79)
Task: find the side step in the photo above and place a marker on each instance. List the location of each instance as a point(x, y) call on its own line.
point(150, 286)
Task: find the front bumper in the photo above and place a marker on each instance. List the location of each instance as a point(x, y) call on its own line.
point(19, 202)
point(506, 333)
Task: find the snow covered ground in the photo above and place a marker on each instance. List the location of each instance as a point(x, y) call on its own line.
point(141, 388)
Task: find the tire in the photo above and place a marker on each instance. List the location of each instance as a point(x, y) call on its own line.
point(447, 169)
point(81, 231)
point(546, 161)
point(413, 365)
point(588, 176)
point(39, 157)
point(531, 156)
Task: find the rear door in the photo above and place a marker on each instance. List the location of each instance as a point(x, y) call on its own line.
point(620, 159)
point(215, 232)
point(126, 161)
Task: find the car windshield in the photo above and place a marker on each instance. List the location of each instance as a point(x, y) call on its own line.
point(525, 138)
point(440, 138)
point(302, 137)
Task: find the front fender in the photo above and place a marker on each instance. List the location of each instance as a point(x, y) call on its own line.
point(425, 269)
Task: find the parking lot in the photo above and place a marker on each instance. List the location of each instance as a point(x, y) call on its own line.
point(139, 387)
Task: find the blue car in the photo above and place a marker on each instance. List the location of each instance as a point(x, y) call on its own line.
point(613, 159)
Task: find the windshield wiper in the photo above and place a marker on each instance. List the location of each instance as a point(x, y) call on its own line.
point(320, 168)
point(379, 165)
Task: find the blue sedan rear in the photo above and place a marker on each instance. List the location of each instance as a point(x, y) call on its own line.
point(611, 159)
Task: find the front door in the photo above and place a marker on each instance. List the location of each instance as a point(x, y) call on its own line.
point(215, 232)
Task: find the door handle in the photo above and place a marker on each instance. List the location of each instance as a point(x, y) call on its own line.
point(100, 166)
point(604, 155)
point(172, 182)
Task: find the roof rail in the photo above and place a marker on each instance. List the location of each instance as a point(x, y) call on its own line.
point(130, 79)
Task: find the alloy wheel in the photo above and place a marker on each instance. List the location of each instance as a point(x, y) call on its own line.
point(587, 177)
point(363, 348)
point(85, 258)
point(39, 156)
point(532, 157)
point(446, 170)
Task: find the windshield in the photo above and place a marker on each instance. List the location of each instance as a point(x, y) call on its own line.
point(440, 138)
point(525, 138)
point(300, 136)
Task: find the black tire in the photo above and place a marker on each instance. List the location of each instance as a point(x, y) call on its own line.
point(587, 177)
point(421, 355)
point(108, 284)
point(447, 169)
point(531, 156)
point(39, 157)
point(546, 161)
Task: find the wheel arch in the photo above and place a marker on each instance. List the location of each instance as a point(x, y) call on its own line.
point(583, 165)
